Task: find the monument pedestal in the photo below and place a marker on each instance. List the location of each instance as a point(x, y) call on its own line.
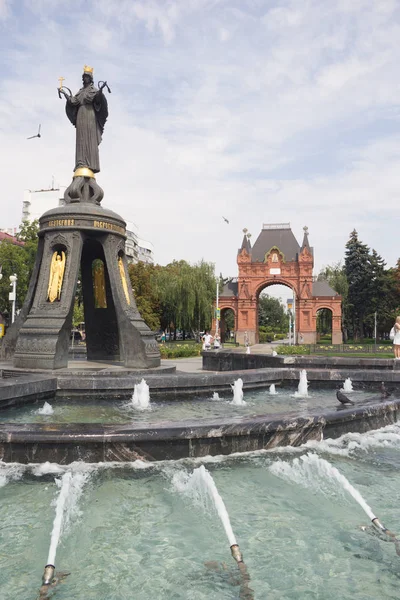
point(92, 240)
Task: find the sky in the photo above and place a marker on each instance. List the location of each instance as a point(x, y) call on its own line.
point(261, 111)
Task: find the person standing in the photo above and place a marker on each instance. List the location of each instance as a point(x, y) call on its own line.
point(396, 339)
point(247, 342)
point(163, 336)
point(207, 339)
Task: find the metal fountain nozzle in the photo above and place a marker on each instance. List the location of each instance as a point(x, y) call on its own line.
point(237, 555)
point(48, 574)
point(387, 531)
point(378, 524)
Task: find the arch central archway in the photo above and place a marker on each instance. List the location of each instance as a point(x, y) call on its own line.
point(277, 258)
point(273, 306)
point(324, 319)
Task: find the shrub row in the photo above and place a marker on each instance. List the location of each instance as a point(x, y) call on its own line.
point(266, 337)
point(179, 350)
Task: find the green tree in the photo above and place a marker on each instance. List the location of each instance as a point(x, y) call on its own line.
point(229, 317)
point(186, 293)
point(205, 282)
point(142, 277)
point(28, 233)
point(358, 272)
point(78, 314)
point(13, 259)
point(381, 300)
point(335, 275)
point(272, 314)
point(18, 259)
point(324, 321)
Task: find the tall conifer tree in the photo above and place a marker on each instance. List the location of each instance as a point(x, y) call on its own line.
point(358, 271)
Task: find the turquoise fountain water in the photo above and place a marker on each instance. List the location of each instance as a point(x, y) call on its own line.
point(220, 404)
point(136, 536)
point(200, 487)
point(307, 468)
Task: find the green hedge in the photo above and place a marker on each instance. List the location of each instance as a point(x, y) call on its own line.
point(290, 350)
point(177, 350)
point(264, 337)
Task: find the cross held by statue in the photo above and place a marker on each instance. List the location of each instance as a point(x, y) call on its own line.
point(61, 79)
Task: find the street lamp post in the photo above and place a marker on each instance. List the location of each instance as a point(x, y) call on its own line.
point(12, 296)
point(217, 311)
point(290, 305)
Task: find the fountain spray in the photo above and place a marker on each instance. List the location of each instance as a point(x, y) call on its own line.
point(71, 487)
point(311, 464)
point(199, 482)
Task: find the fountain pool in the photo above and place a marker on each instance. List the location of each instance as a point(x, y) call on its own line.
point(257, 402)
point(134, 533)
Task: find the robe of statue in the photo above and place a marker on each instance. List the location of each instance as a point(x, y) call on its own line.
point(57, 268)
point(88, 111)
point(99, 285)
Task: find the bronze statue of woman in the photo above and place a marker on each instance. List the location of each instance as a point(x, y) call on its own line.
point(88, 111)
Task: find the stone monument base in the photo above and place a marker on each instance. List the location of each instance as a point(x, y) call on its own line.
point(80, 244)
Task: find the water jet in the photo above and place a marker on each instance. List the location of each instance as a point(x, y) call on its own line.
point(237, 389)
point(302, 391)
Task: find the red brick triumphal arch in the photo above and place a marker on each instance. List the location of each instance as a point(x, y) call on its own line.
point(277, 258)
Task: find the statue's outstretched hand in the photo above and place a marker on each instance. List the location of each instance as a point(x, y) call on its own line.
point(64, 93)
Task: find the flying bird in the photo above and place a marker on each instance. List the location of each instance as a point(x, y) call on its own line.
point(342, 398)
point(37, 135)
point(225, 219)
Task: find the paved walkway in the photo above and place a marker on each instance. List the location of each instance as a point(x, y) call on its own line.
point(183, 365)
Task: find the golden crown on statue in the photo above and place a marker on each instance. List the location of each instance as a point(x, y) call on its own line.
point(87, 69)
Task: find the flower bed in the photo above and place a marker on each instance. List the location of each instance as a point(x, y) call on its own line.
point(291, 350)
point(350, 348)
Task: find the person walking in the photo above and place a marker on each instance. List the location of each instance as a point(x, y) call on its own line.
point(396, 339)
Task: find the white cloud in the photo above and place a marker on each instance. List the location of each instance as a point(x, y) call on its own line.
point(4, 9)
point(293, 118)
